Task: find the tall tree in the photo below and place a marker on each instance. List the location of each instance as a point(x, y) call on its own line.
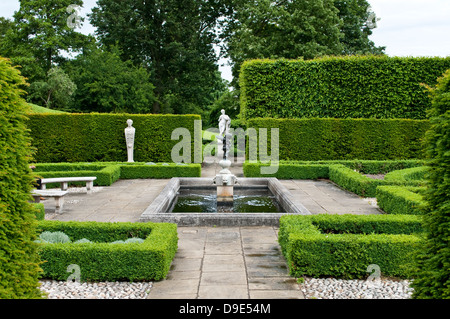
point(281, 29)
point(358, 22)
point(105, 83)
point(41, 36)
point(174, 39)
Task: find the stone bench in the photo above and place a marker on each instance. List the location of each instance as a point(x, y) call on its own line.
point(65, 181)
point(56, 194)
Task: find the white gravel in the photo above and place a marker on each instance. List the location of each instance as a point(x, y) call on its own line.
point(95, 290)
point(331, 288)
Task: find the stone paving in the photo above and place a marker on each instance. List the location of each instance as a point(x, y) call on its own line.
point(213, 262)
point(227, 263)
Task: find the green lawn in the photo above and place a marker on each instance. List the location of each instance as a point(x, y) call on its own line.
point(40, 109)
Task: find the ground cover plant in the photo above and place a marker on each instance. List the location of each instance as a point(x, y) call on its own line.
point(107, 251)
point(343, 246)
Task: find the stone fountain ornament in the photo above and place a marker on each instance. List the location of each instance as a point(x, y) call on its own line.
point(225, 180)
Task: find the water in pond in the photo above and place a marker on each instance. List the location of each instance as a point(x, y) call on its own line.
point(244, 201)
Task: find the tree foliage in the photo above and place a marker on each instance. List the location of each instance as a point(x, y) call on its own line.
point(55, 92)
point(174, 40)
point(19, 260)
point(105, 83)
point(40, 36)
point(433, 273)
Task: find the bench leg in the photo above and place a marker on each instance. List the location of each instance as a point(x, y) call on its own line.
point(59, 200)
point(43, 186)
point(89, 185)
point(64, 186)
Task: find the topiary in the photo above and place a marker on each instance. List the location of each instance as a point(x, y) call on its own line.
point(19, 259)
point(433, 263)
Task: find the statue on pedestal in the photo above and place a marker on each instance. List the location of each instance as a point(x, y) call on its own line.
point(129, 138)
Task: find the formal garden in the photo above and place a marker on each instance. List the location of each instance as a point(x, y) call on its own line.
point(402, 162)
point(375, 126)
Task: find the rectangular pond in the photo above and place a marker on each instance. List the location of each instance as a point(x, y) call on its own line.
point(193, 202)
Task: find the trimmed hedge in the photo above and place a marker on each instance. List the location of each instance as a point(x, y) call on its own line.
point(408, 174)
point(103, 261)
point(401, 200)
point(319, 169)
point(109, 172)
point(348, 174)
point(314, 139)
point(100, 136)
point(160, 170)
point(360, 184)
point(339, 87)
point(106, 174)
point(343, 246)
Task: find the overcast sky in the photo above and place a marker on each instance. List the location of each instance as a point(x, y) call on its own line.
point(407, 27)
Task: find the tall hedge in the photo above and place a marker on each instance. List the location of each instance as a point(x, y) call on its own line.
point(433, 279)
point(100, 137)
point(19, 260)
point(312, 139)
point(339, 87)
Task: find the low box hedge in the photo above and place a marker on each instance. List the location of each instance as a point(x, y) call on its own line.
point(103, 261)
point(401, 200)
point(159, 170)
point(343, 246)
point(109, 172)
point(106, 174)
point(360, 184)
point(319, 169)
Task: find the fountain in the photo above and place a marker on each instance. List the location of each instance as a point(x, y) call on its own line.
point(225, 181)
point(223, 200)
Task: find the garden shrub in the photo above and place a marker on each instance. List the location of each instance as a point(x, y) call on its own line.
point(317, 139)
point(100, 260)
point(408, 174)
point(109, 172)
point(401, 200)
point(359, 184)
point(100, 137)
point(433, 263)
point(160, 170)
point(339, 87)
point(19, 260)
point(343, 246)
point(319, 169)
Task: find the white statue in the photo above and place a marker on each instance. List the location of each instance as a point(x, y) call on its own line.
point(129, 138)
point(224, 123)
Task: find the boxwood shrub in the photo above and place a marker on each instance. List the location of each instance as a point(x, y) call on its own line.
point(360, 184)
point(109, 172)
point(103, 261)
point(343, 246)
point(401, 199)
point(319, 169)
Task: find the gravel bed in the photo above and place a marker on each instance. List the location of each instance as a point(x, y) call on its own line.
point(331, 288)
point(95, 290)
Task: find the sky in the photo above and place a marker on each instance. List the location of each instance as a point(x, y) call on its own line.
point(406, 27)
